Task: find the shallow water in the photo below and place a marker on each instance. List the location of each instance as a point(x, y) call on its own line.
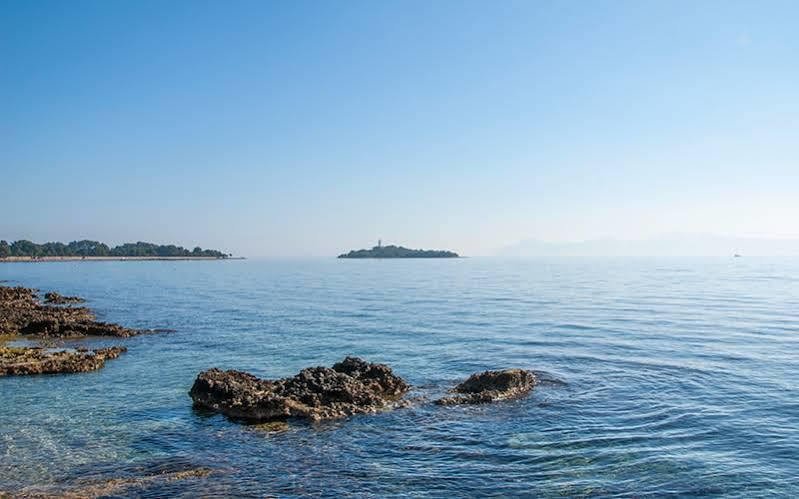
point(679, 377)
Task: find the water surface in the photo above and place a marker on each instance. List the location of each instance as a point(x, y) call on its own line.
point(680, 376)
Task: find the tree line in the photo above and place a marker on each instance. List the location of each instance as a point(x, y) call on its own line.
point(392, 251)
point(95, 248)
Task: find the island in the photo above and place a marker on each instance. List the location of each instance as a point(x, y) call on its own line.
point(24, 250)
point(392, 251)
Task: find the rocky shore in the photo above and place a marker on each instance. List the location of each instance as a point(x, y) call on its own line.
point(55, 298)
point(352, 386)
point(22, 313)
point(38, 360)
point(24, 316)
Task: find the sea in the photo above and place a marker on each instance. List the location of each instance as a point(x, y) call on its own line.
point(657, 377)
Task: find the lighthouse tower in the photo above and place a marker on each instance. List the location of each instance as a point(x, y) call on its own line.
point(379, 243)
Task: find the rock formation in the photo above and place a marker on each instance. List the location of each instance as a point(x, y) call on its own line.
point(39, 360)
point(490, 386)
point(352, 386)
point(58, 299)
point(22, 313)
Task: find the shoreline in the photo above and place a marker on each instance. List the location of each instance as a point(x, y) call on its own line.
point(342, 257)
point(30, 259)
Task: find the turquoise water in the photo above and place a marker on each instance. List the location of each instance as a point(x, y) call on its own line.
point(664, 376)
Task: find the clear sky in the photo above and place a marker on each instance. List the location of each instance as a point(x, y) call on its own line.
point(310, 128)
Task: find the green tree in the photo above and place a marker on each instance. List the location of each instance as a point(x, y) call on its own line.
point(95, 248)
point(23, 248)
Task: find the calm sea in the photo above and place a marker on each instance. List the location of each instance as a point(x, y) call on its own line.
point(662, 377)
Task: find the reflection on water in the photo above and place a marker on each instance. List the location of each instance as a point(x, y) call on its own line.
point(660, 376)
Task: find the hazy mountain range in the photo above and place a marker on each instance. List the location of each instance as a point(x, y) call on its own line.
point(665, 245)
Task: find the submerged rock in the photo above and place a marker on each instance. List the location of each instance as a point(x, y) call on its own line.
point(58, 299)
point(491, 386)
point(128, 486)
point(38, 360)
point(352, 386)
point(22, 313)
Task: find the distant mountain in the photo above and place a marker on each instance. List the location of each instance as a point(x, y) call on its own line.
point(665, 245)
point(392, 251)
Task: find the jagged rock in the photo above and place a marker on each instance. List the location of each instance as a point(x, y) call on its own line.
point(352, 386)
point(38, 360)
point(490, 386)
point(58, 299)
point(12, 297)
point(21, 313)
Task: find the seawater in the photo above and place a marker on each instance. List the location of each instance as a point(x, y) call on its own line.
point(663, 377)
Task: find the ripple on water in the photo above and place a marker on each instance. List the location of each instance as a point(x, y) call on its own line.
point(657, 377)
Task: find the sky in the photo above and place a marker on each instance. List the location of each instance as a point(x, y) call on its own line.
point(310, 128)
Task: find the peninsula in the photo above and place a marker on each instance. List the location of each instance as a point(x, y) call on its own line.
point(392, 251)
point(24, 250)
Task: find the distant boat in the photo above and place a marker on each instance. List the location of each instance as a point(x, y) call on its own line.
point(736, 255)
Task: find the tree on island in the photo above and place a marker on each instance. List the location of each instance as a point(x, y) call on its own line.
point(25, 248)
point(392, 251)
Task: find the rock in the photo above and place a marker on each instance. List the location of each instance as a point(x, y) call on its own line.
point(38, 360)
point(55, 298)
point(129, 486)
point(118, 486)
point(352, 386)
point(490, 386)
point(17, 295)
point(21, 313)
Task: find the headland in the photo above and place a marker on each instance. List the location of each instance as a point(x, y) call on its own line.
point(86, 250)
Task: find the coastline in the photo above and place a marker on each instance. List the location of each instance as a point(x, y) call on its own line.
point(393, 251)
point(30, 259)
point(344, 257)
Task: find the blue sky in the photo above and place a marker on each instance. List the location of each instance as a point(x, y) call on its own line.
point(310, 128)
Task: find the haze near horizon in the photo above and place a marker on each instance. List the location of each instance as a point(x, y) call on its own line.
point(274, 129)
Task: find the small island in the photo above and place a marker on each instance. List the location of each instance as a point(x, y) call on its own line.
point(24, 250)
point(392, 251)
